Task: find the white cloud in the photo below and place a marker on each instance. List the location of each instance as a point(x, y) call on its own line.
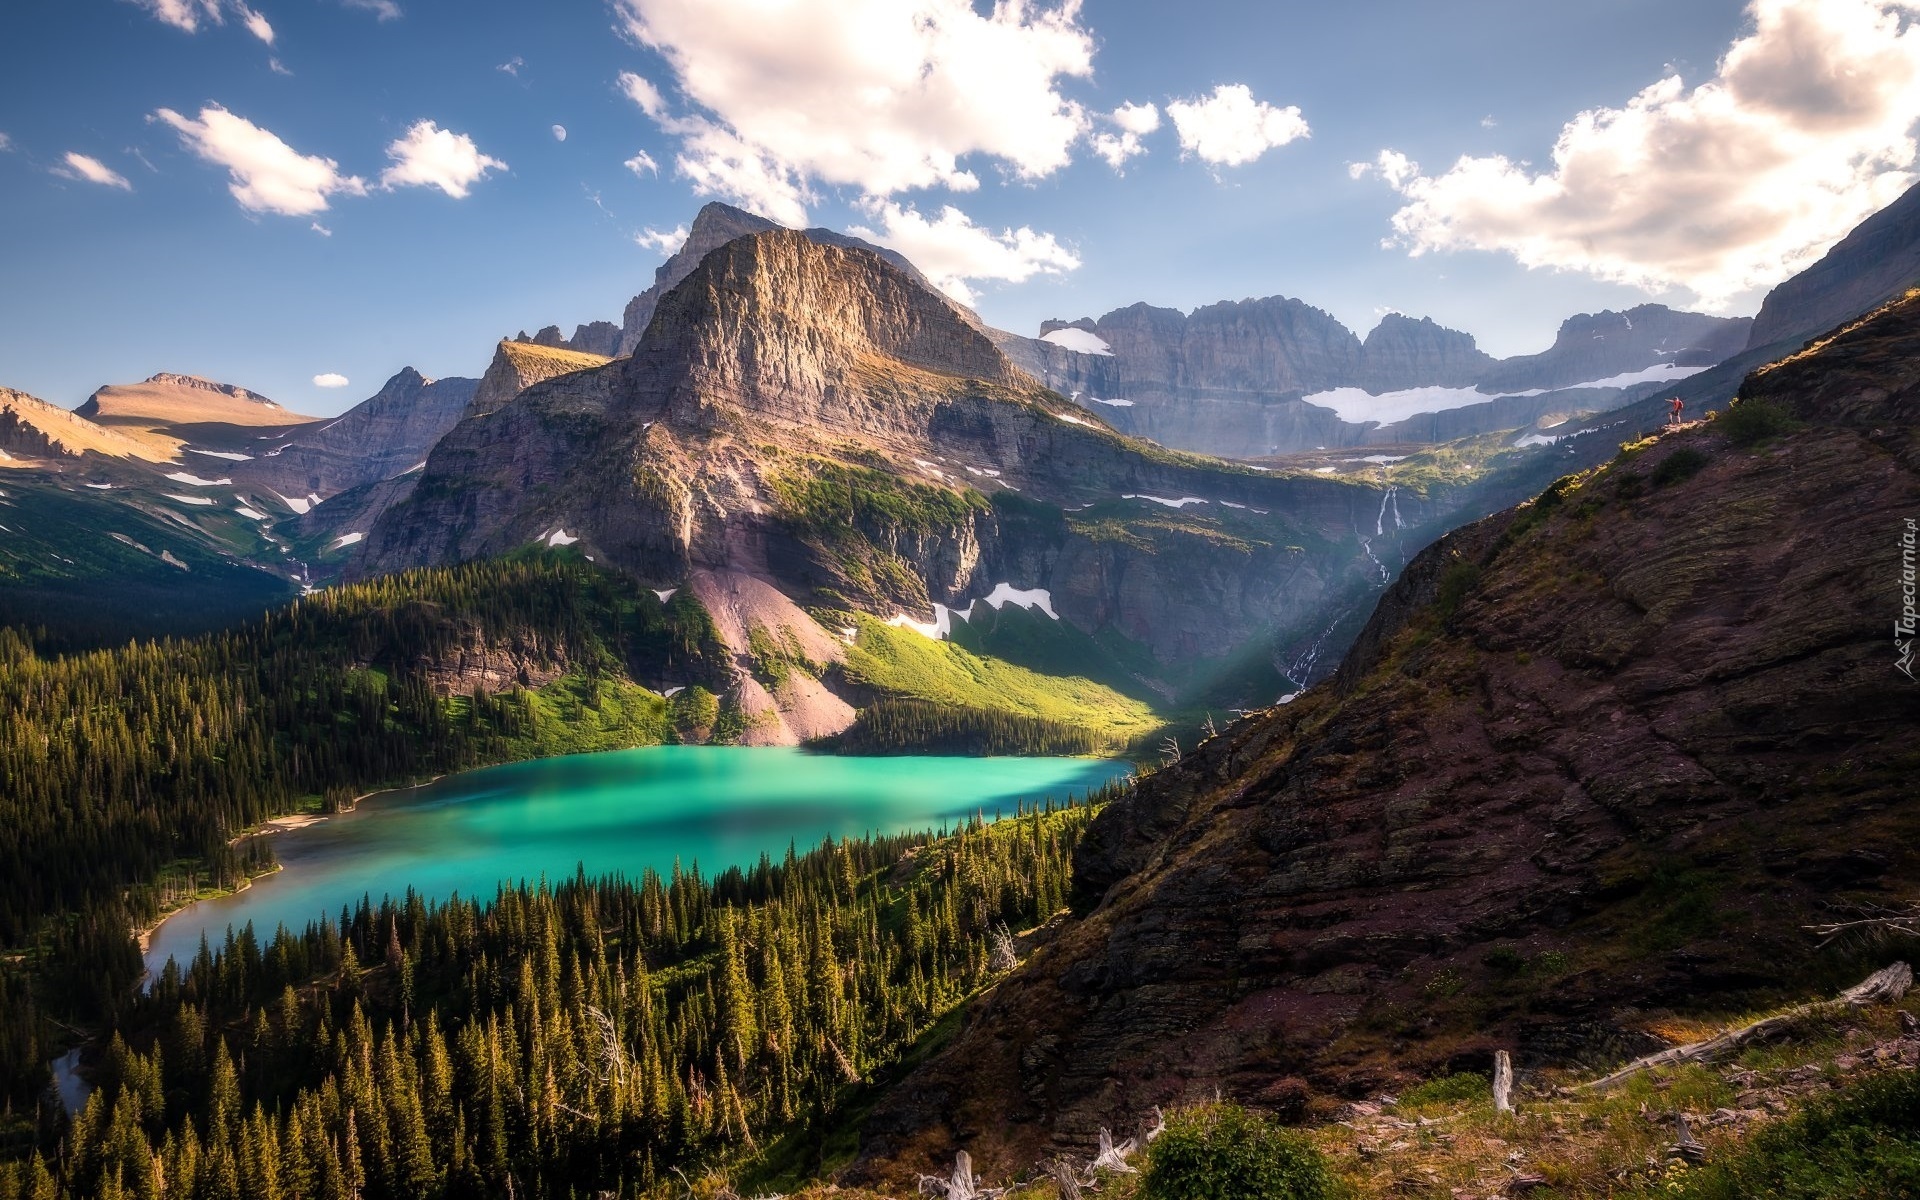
point(952, 249)
point(255, 23)
point(322, 230)
point(642, 93)
point(1134, 122)
point(1487, 122)
point(183, 14)
point(278, 67)
point(559, 133)
point(642, 164)
point(385, 10)
point(1230, 128)
point(86, 169)
point(878, 95)
point(330, 380)
point(665, 243)
point(512, 66)
point(1804, 129)
point(267, 174)
point(6, 143)
point(430, 156)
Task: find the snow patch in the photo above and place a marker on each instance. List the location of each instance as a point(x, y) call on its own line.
point(672, 691)
point(419, 466)
point(1382, 459)
point(196, 481)
point(1080, 341)
point(1114, 403)
point(1658, 373)
point(1231, 504)
point(229, 455)
point(561, 537)
point(348, 539)
point(1357, 406)
point(1070, 419)
point(1182, 502)
point(293, 502)
point(1536, 439)
point(101, 487)
point(204, 500)
point(1325, 470)
point(251, 514)
point(1027, 598)
point(983, 471)
point(937, 629)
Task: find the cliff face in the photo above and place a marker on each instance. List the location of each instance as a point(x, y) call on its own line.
point(1229, 378)
point(382, 436)
point(1875, 263)
point(517, 366)
point(1632, 737)
point(814, 417)
point(30, 428)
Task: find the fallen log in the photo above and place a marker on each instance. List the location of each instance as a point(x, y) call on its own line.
point(1882, 987)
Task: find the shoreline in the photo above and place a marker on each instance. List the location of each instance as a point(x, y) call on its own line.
point(288, 823)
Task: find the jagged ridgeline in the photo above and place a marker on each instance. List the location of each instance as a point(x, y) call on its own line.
point(586, 1039)
point(127, 769)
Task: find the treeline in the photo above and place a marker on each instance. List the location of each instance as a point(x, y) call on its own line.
point(923, 727)
point(115, 764)
point(586, 1039)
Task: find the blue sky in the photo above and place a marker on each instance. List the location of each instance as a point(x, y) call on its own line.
point(140, 258)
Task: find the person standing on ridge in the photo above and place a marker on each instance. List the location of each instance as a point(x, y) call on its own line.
point(1677, 405)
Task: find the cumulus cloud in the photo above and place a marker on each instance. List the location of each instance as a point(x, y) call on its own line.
point(643, 93)
point(1804, 129)
point(267, 175)
point(183, 14)
point(559, 133)
point(951, 249)
point(330, 380)
point(665, 243)
point(385, 10)
point(6, 143)
point(1132, 122)
point(429, 156)
point(642, 164)
point(255, 23)
point(1230, 128)
point(878, 95)
point(86, 169)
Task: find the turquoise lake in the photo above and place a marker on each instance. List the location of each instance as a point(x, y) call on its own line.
point(616, 812)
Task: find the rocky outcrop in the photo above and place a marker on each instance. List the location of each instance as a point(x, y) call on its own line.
point(384, 435)
point(172, 400)
point(1404, 352)
point(1607, 752)
point(1875, 263)
point(518, 365)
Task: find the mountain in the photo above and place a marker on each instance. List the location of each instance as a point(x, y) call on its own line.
point(1276, 376)
point(165, 412)
point(1878, 261)
point(33, 430)
point(1601, 755)
point(714, 226)
point(808, 429)
point(384, 435)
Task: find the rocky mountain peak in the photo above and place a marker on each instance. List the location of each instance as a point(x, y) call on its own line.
point(1404, 351)
point(778, 322)
point(209, 385)
point(1876, 262)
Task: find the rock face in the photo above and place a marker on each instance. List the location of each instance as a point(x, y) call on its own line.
point(1607, 752)
point(814, 417)
point(172, 400)
point(1602, 345)
point(714, 226)
point(382, 436)
point(1875, 263)
point(1229, 379)
point(518, 365)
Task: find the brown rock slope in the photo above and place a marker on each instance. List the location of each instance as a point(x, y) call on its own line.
point(33, 431)
point(1606, 752)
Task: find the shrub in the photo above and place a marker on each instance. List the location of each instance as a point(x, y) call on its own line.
point(1683, 463)
point(1505, 960)
point(1863, 1142)
point(1451, 1089)
point(1225, 1152)
point(1750, 422)
point(1456, 582)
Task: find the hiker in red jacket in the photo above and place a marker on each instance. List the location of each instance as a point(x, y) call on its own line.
point(1677, 405)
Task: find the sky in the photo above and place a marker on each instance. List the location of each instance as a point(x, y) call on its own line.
point(304, 196)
